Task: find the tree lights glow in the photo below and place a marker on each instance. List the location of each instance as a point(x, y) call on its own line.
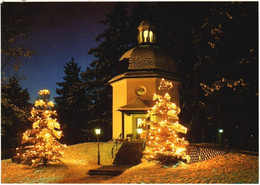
point(163, 141)
point(40, 145)
point(209, 90)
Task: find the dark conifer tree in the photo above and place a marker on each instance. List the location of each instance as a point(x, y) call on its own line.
point(15, 111)
point(71, 103)
point(115, 41)
point(215, 48)
point(226, 48)
point(140, 12)
point(15, 26)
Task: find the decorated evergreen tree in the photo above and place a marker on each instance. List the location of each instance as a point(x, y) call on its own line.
point(40, 145)
point(163, 142)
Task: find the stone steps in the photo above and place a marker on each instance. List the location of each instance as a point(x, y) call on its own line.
point(105, 172)
point(111, 170)
point(130, 153)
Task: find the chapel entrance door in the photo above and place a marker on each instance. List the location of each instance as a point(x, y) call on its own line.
point(139, 126)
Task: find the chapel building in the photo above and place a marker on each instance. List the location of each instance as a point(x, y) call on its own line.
point(133, 90)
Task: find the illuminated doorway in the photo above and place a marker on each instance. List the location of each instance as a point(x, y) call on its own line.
point(139, 124)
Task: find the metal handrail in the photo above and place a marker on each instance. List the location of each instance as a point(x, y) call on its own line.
point(116, 143)
point(144, 144)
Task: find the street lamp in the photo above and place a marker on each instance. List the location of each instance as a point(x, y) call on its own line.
point(98, 131)
point(139, 132)
point(220, 131)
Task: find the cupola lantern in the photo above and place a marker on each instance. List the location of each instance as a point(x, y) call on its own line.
point(146, 33)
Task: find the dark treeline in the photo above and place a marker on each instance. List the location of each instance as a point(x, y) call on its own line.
point(215, 47)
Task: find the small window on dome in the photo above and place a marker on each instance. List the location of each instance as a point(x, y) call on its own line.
point(145, 36)
point(151, 36)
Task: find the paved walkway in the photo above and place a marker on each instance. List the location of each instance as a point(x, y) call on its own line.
point(98, 178)
point(110, 170)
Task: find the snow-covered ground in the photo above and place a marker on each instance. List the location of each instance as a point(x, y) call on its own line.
point(78, 159)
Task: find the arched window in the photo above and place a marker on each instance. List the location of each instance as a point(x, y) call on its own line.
point(145, 36)
point(151, 36)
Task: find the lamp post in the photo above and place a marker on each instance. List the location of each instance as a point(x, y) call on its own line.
point(220, 131)
point(139, 132)
point(98, 131)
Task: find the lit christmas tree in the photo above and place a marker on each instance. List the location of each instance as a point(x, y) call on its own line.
point(163, 143)
point(40, 145)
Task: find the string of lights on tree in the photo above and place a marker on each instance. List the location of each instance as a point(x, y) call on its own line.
point(218, 85)
point(39, 144)
point(163, 141)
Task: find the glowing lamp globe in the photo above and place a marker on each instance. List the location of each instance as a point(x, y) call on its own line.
point(220, 131)
point(97, 131)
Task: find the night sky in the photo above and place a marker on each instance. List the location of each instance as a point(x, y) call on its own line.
point(60, 31)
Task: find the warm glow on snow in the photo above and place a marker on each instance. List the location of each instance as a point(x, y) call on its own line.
point(78, 159)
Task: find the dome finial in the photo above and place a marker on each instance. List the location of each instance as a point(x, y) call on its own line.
point(146, 33)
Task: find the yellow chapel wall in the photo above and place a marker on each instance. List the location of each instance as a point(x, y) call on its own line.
point(134, 83)
point(124, 91)
point(174, 91)
point(151, 85)
point(119, 100)
point(128, 124)
point(132, 86)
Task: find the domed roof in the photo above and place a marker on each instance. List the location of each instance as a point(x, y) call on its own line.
point(149, 57)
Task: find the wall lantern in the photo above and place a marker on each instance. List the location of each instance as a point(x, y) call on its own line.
point(139, 130)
